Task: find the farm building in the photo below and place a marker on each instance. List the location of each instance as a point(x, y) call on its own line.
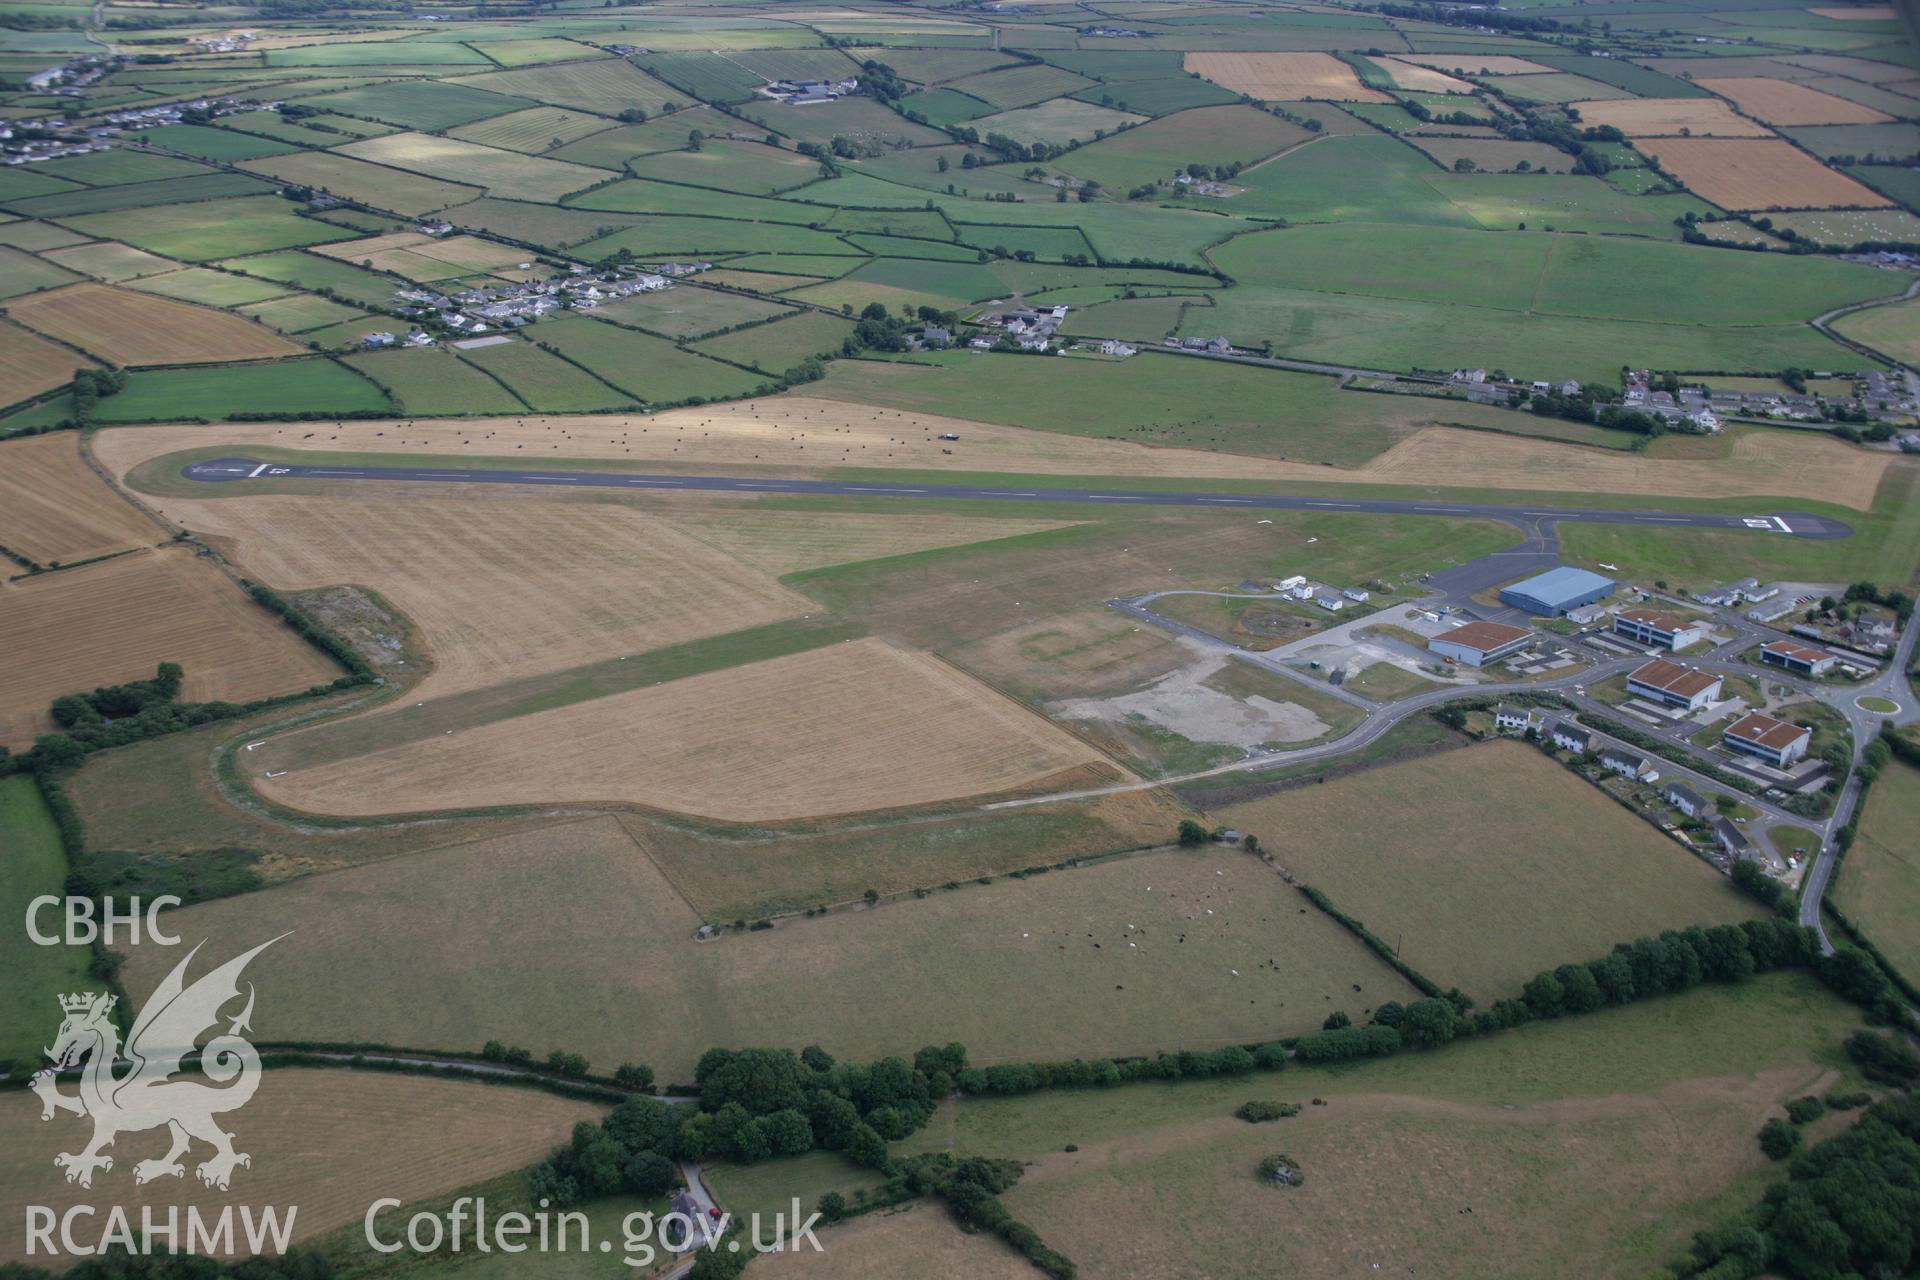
point(1761, 736)
point(1800, 659)
point(1478, 643)
point(1554, 592)
point(1684, 798)
point(1648, 626)
point(1674, 685)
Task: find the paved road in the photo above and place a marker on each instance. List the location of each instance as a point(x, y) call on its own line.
point(1797, 524)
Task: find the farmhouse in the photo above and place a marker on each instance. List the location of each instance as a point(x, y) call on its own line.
point(1620, 760)
point(1761, 736)
point(1478, 643)
point(1569, 736)
point(1732, 840)
point(1508, 719)
point(1647, 626)
point(1557, 590)
point(1798, 658)
point(1674, 685)
point(1684, 798)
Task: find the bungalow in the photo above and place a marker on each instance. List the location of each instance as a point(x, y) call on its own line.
point(1673, 685)
point(1569, 736)
point(1650, 627)
point(1508, 719)
point(1620, 760)
point(1331, 603)
point(1684, 798)
point(1798, 658)
point(1356, 595)
point(1732, 840)
point(1775, 741)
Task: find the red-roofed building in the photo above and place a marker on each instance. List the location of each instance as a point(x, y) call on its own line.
point(1674, 685)
point(1650, 627)
point(1800, 659)
point(1761, 736)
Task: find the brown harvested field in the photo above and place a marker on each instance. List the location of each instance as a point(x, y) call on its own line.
point(1495, 155)
point(852, 727)
point(783, 435)
point(1445, 851)
point(1783, 102)
point(116, 620)
point(571, 936)
point(802, 436)
point(1742, 174)
point(56, 509)
point(505, 585)
point(330, 1142)
point(1663, 117)
point(469, 254)
point(1472, 64)
point(1416, 78)
point(1757, 463)
point(1284, 77)
point(780, 542)
point(130, 328)
point(920, 1240)
point(29, 364)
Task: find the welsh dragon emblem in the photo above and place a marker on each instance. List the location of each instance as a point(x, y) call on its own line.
point(145, 1096)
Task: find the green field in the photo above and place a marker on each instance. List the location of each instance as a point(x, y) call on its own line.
point(1211, 135)
point(211, 229)
point(1427, 851)
point(645, 367)
point(23, 273)
point(779, 346)
point(140, 195)
point(689, 311)
point(1878, 885)
point(536, 129)
point(36, 864)
point(215, 391)
point(423, 104)
point(748, 167)
point(428, 380)
point(223, 145)
point(311, 271)
point(546, 382)
point(209, 287)
point(300, 312)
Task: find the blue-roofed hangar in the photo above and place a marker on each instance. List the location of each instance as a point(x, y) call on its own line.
point(1557, 590)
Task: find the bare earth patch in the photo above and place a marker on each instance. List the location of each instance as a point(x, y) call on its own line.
point(851, 727)
point(331, 1142)
point(1181, 701)
point(54, 508)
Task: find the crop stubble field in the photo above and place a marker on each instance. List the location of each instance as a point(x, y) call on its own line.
point(166, 606)
point(850, 727)
point(54, 508)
